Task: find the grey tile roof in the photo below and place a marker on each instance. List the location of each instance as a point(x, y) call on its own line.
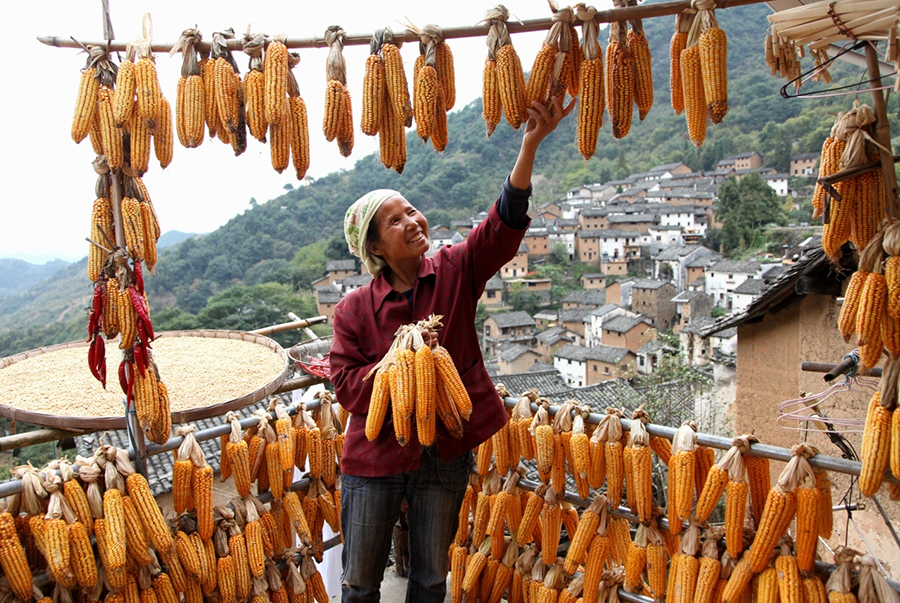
point(751, 286)
point(704, 261)
point(651, 347)
point(665, 167)
point(335, 265)
point(686, 296)
point(623, 324)
point(494, 283)
point(650, 283)
point(802, 156)
point(523, 248)
point(632, 219)
point(554, 335)
point(513, 352)
point(604, 310)
point(328, 295)
point(699, 325)
point(356, 280)
point(574, 314)
point(601, 353)
point(541, 367)
point(600, 396)
point(513, 319)
point(590, 297)
point(607, 233)
point(774, 272)
point(735, 267)
point(159, 466)
point(676, 252)
point(546, 382)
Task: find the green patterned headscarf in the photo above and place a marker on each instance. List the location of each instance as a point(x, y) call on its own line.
point(356, 226)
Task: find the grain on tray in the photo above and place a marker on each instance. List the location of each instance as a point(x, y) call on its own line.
point(199, 371)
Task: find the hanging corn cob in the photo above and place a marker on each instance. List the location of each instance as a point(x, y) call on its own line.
point(877, 436)
point(229, 92)
point(641, 480)
point(636, 561)
point(86, 99)
point(781, 506)
point(373, 92)
point(254, 86)
point(656, 557)
point(619, 78)
point(562, 456)
point(709, 567)
point(693, 95)
point(639, 49)
point(430, 106)
point(685, 567)
point(681, 476)
point(713, 60)
point(299, 122)
point(189, 105)
point(590, 84)
point(510, 77)
point(678, 43)
point(840, 583)
point(275, 70)
point(611, 435)
point(338, 121)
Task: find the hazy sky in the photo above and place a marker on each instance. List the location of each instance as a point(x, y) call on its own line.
point(51, 182)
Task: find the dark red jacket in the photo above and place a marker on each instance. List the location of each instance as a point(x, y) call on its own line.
point(450, 284)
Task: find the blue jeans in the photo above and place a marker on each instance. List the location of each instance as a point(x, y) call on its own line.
point(370, 506)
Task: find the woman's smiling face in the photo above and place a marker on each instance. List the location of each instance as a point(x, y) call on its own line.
point(402, 229)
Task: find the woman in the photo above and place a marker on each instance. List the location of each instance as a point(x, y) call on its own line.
point(391, 237)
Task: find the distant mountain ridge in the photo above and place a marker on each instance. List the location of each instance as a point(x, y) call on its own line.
point(172, 237)
point(18, 275)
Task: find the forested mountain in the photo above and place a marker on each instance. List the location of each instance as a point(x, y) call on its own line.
point(288, 239)
point(18, 275)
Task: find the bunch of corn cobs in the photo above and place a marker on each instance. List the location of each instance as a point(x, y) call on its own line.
point(508, 536)
point(416, 381)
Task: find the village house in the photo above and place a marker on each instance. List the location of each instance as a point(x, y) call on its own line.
point(538, 241)
point(545, 319)
point(742, 161)
point(778, 183)
point(573, 319)
point(805, 164)
point(336, 270)
point(619, 292)
point(582, 366)
point(353, 282)
point(593, 218)
point(617, 267)
point(552, 339)
point(593, 280)
point(492, 296)
point(744, 293)
point(696, 268)
point(723, 277)
point(592, 298)
point(653, 298)
point(671, 263)
point(507, 327)
point(463, 227)
point(690, 305)
point(627, 332)
point(668, 170)
point(593, 322)
point(518, 266)
point(650, 355)
point(516, 358)
point(327, 297)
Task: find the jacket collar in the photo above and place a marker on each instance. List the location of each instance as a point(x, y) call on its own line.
point(381, 288)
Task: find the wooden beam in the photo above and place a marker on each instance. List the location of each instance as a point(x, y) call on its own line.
point(882, 134)
point(643, 11)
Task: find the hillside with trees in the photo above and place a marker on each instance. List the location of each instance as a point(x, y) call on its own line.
point(261, 263)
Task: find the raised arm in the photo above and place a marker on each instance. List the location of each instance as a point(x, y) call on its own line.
point(541, 122)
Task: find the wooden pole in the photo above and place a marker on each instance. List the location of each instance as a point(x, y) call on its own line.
point(644, 11)
point(118, 193)
point(882, 134)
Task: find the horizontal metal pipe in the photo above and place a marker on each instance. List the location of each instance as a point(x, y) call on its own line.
point(775, 453)
point(644, 11)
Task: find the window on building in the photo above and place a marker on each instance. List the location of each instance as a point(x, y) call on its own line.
point(641, 360)
point(606, 370)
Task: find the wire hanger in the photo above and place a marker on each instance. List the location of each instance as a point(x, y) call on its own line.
point(804, 410)
point(850, 88)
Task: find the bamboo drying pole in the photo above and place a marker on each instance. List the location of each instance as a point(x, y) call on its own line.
point(882, 134)
point(628, 13)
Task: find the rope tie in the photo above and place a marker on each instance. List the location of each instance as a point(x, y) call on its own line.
point(841, 27)
point(590, 31)
point(334, 66)
point(429, 37)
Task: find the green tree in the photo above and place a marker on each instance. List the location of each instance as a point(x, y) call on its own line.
point(776, 145)
point(744, 209)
